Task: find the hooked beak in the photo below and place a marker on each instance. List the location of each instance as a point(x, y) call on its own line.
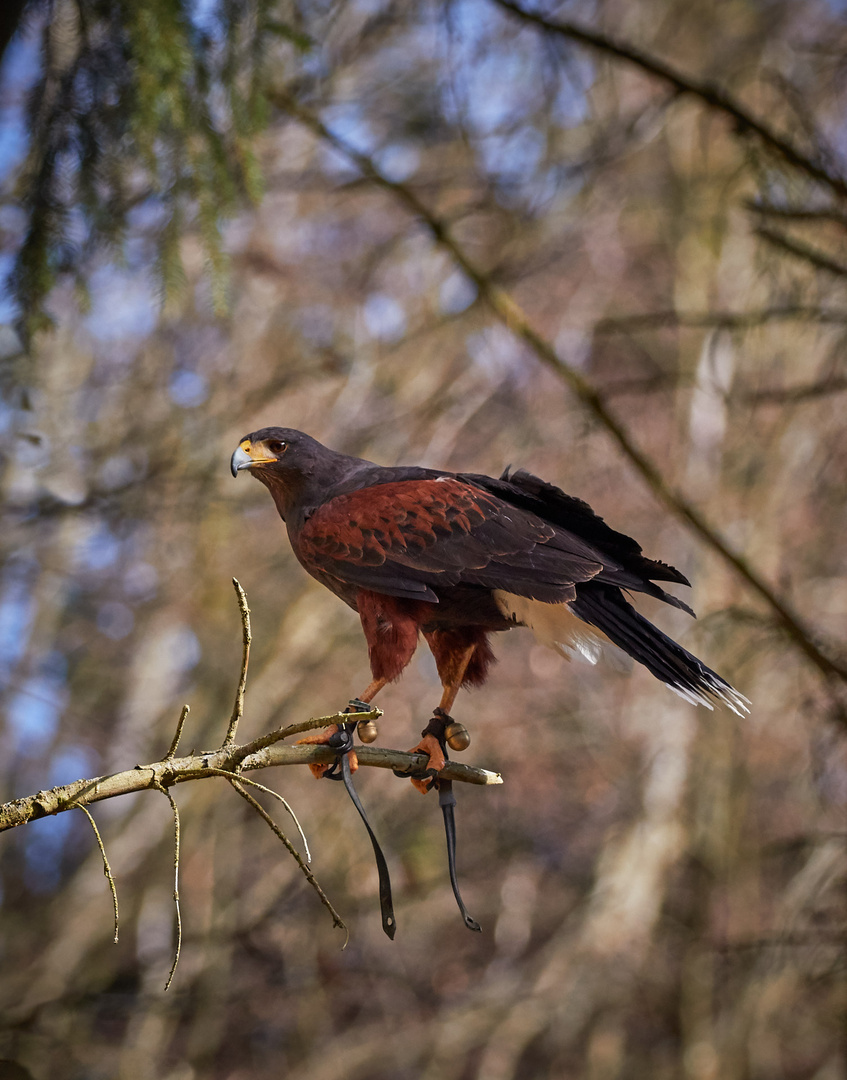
point(246, 456)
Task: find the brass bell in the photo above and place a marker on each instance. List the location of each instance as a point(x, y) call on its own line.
point(457, 735)
point(368, 731)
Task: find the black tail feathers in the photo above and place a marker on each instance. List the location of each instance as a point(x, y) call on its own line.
point(604, 607)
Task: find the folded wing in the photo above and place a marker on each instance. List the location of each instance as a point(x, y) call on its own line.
point(409, 537)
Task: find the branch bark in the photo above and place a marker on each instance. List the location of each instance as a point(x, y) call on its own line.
point(258, 754)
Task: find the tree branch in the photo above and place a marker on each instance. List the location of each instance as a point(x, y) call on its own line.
point(178, 948)
point(819, 259)
point(709, 93)
point(247, 638)
point(107, 870)
point(238, 784)
point(721, 320)
point(247, 757)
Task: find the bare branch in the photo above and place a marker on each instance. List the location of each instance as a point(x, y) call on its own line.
point(710, 94)
point(107, 870)
point(248, 756)
point(178, 949)
point(798, 213)
point(238, 707)
point(728, 320)
point(310, 725)
point(794, 395)
point(819, 259)
point(268, 791)
point(295, 854)
point(186, 709)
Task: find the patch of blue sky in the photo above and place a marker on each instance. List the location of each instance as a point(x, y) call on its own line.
point(188, 389)
point(18, 73)
point(8, 307)
point(317, 324)
point(117, 471)
point(115, 620)
point(570, 106)
point(370, 7)
point(500, 89)
point(456, 294)
point(496, 353)
point(182, 642)
point(552, 183)
point(99, 550)
point(70, 763)
point(123, 305)
point(8, 413)
point(398, 162)
point(573, 345)
point(44, 842)
point(14, 141)
point(384, 317)
point(515, 157)
point(205, 15)
point(33, 714)
point(141, 582)
point(348, 122)
point(314, 63)
point(54, 665)
point(471, 23)
point(13, 222)
point(148, 215)
point(17, 608)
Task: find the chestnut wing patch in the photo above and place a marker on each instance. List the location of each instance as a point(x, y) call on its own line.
point(408, 537)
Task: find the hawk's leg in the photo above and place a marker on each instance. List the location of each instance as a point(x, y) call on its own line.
point(341, 735)
point(432, 742)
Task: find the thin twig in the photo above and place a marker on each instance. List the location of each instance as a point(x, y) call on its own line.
point(798, 213)
point(238, 707)
point(713, 96)
point(814, 256)
point(721, 320)
point(790, 395)
point(175, 810)
point(315, 722)
point(178, 733)
point(268, 791)
point(107, 870)
point(310, 877)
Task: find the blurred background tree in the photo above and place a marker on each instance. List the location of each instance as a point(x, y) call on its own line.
point(605, 242)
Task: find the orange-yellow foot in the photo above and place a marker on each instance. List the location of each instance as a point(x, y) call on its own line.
point(322, 738)
point(433, 748)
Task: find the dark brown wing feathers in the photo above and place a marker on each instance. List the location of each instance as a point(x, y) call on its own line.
point(409, 537)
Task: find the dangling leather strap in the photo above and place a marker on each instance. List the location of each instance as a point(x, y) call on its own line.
point(343, 740)
point(447, 802)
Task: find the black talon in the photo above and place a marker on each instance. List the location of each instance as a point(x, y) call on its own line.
point(342, 741)
point(447, 802)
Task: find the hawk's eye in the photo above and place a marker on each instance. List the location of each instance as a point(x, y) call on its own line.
point(275, 446)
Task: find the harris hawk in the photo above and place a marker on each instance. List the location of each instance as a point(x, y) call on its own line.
point(457, 556)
